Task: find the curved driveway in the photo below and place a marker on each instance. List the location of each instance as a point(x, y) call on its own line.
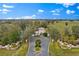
point(44, 46)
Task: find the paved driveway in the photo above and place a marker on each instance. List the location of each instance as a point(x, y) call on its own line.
point(44, 47)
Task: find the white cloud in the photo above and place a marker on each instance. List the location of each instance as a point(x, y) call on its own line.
point(23, 17)
point(68, 4)
point(40, 10)
point(29, 17)
point(77, 7)
point(53, 11)
point(56, 11)
point(33, 16)
point(26, 17)
point(9, 18)
point(0, 10)
point(7, 6)
point(17, 18)
point(5, 11)
point(70, 11)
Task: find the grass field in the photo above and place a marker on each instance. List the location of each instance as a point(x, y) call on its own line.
point(55, 50)
point(19, 52)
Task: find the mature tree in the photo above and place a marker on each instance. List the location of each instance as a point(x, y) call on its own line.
point(28, 32)
point(75, 30)
point(9, 33)
point(54, 33)
point(44, 24)
point(22, 24)
point(67, 31)
point(66, 23)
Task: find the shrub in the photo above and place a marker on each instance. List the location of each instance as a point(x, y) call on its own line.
point(38, 43)
point(45, 34)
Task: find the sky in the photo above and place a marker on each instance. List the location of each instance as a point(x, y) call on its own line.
point(39, 10)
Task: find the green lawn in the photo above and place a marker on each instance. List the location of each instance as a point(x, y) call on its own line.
point(22, 51)
point(19, 52)
point(54, 49)
point(37, 49)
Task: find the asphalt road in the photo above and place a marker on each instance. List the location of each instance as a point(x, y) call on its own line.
point(44, 47)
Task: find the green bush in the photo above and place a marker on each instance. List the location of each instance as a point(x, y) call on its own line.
point(45, 34)
point(38, 43)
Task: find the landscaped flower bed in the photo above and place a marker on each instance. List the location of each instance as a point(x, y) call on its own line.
point(37, 45)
